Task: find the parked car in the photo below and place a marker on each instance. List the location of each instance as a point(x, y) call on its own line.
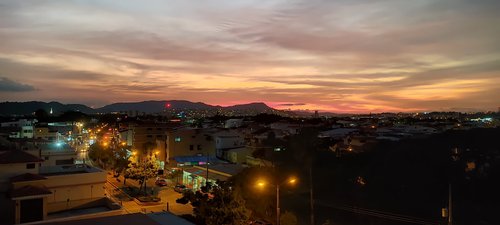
point(161, 182)
point(180, 188)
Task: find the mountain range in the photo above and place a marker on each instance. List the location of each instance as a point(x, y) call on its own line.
point(25, 108)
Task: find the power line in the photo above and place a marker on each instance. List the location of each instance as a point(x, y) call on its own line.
point(379, 214)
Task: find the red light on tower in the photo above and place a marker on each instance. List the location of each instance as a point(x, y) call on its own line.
point(167, 105)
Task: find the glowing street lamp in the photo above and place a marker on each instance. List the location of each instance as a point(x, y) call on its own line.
point(289, 181)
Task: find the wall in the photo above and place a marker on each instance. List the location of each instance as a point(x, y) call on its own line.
point(75, 190)
point(179, 143)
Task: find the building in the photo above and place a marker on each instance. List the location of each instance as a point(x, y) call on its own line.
point(46, 133)
point(225, 141)
point(195, 177)
point(23, 128)
point(161, 218)
point(233, 123)
point(185, 142)
point(31, 191)
point(144, 135)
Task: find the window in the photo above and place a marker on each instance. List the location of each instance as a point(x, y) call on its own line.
point(30, 166)
point(191, 147)
point(46, 158)
point(149, 136)
point(177, 139)
point(198, 147)
point(150, 128)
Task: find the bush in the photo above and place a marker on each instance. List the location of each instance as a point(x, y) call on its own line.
point(148, 199)
point(288, 218)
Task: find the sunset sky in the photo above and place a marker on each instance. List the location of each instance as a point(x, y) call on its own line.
point(332, 55)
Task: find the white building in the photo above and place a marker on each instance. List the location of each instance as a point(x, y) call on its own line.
point(24, 128)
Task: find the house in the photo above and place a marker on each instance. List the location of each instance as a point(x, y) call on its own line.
point(31, 191)
point(225, 141)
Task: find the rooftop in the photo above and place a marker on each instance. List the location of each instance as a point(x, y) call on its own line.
point(29, 190)
point(163, 218)
point(17, 156)
point(67, 169)
point(26, 177)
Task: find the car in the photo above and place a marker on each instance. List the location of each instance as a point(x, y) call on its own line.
point(180, 188)
point(161, 182)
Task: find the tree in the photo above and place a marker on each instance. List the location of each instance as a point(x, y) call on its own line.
point(226, 206)
point(261, 202)
point(288, 218)
point(175, 175)
point(41, 114)
point(100, 155)
point(120, 160)
point(148, 147)
point(143, 170)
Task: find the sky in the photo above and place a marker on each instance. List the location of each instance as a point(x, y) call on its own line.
point(353, 56)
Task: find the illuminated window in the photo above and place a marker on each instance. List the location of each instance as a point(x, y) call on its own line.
point(177, 139)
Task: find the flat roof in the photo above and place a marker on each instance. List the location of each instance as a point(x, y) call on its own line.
point(67, 169)
point(17, 156)
point(163, 218)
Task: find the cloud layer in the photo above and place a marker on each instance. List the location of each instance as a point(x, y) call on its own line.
point(343, 56)
point(8, 85)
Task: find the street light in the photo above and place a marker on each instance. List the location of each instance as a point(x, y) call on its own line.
point(290, 181)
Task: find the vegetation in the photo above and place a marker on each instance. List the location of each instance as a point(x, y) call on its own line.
point(115, 158)
point(146, 168)
point(224, 206)
point(288, 218)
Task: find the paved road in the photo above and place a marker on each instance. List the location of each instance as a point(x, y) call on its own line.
point(167, 195)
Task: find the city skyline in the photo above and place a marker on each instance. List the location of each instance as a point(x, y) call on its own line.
point(339, 56)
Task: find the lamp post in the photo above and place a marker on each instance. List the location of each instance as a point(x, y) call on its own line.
point(262, 184)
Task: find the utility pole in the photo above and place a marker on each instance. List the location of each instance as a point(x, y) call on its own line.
point(206, 180)
point(450, 217)
point(278, 204)
point(311, 197)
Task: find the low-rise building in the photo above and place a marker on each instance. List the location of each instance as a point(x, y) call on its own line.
point(32, 191)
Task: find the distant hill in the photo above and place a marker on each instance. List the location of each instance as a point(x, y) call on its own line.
point(153, 106)
point(25, 108)
point(256, 106)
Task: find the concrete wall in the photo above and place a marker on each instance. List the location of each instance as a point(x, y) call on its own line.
point(75, 190)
